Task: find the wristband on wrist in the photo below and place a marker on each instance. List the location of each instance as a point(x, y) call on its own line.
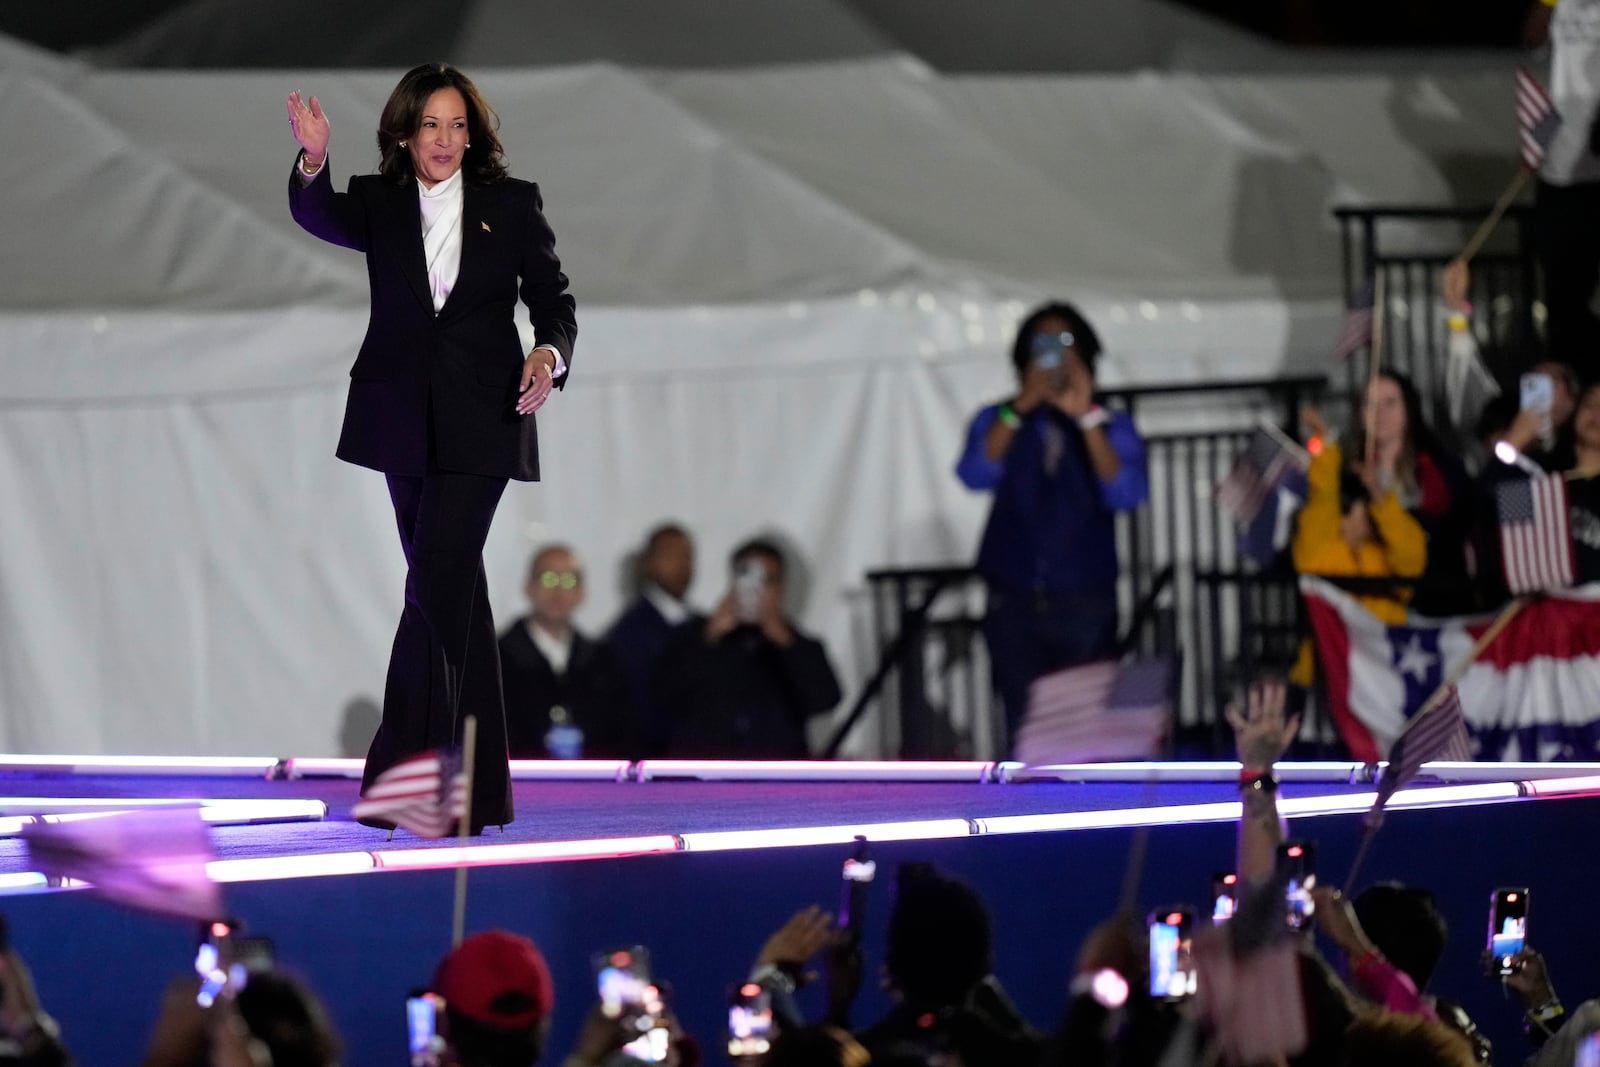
point(1546, 1013)
point(774, 976)
point(1008, 415)
point(1258, 781)
point(1366, 961)
point(1095, 416)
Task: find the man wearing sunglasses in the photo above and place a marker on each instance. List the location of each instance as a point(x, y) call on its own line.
point(565, 693)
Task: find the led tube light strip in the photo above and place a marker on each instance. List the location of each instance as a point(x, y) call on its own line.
point(338, 863)
point(270, 868)
point(216, 813)
point(1228, 811)
point(528, 852)
point(1563, 786)
point(214, 766)
point(925, 830)
point(1186, 771)
point(232, 810)
point(1288, 771)
point(522, 770)
point(814, 770)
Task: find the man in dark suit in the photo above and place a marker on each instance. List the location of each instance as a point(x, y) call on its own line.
point(744, 683)
point(565, 696)
point(640, 634)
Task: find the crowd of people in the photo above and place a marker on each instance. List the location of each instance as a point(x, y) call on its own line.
point(741, 682)
point(1357, 985)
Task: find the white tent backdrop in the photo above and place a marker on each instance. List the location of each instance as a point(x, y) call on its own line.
point(794, 285)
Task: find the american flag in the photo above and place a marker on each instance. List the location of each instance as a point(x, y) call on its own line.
point(1251, 998)
point(154, 859)
point(1097, 712)
point(1255, 475)
point(425, 794)
point(1535, 533)
point(1537, 119)
point(1356, 333)
point(1441, 734)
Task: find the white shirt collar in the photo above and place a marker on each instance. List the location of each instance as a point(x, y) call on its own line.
point(451, 186)
point(554, 649)
point(672, 609)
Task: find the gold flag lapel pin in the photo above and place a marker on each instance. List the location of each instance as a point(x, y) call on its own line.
point(485, 226)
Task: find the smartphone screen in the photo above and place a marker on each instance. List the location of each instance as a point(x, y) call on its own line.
point(1224, 897)
point(749, 586)
point(1297, 868)
point(211, 959)
point(750, 1022)
point(422, 1028)
point(1508, 926)
point(1172, 971)
point(621, 977)
point(858, 874)
point(1538, 394)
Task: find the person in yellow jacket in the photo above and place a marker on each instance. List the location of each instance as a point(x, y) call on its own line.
point(1351, 526)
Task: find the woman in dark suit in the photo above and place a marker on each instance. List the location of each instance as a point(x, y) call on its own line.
point(442, 394)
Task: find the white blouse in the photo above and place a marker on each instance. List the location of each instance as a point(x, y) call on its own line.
point(441, 235)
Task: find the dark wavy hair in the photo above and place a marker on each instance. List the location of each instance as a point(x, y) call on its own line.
point(1419, 436)
point(484, 160)
point(1085, 340)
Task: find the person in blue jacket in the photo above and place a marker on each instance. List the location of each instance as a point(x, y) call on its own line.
point(1060, 466)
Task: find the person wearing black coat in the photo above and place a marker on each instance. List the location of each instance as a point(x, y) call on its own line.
point(566, 697)
point(442, 392)
point(743, 683)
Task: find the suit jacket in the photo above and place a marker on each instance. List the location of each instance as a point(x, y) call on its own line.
point(592, 690)
point(439, 390)
point(639, 637)
point(742, 697)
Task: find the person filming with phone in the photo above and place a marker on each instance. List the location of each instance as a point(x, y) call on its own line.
point(1060, 466)
point(743, 683)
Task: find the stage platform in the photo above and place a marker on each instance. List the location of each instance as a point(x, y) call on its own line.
point(700, 861)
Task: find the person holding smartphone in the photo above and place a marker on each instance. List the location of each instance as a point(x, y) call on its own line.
point(743, 683)
point(1060, 466)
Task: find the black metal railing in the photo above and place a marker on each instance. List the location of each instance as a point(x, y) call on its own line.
point(931, 676)
point(1409, 247)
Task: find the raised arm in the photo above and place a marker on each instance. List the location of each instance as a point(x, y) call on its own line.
point(334, 217)
point(1261, 735)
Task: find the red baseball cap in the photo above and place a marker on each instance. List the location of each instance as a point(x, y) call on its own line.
point(496, 966)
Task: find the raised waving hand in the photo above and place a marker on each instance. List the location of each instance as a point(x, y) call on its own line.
point(310, 128)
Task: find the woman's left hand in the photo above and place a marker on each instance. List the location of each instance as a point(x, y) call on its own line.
point(534, 388)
